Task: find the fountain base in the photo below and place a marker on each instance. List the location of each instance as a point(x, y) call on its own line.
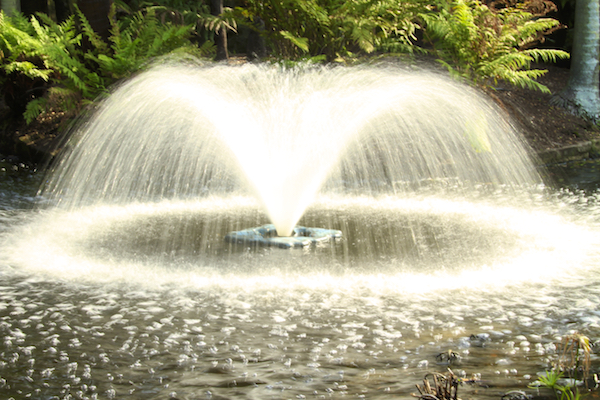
point(266, 235)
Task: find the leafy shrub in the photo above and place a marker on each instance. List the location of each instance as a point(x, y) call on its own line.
point(134, 40)
point(73, 64)
point(483, 45)
point(41, 50)
point(19, 51)
point(335, 29)
point(196, 14)
point(67, 64)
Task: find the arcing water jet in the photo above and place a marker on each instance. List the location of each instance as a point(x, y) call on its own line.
point(284, 135)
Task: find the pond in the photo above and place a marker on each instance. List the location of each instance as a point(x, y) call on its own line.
point(134, 322)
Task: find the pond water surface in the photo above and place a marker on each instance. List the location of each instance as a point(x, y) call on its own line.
point(99, 305)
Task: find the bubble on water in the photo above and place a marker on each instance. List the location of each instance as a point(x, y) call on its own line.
point(110, 393)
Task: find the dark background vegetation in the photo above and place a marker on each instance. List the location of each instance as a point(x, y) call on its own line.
point(242, 31)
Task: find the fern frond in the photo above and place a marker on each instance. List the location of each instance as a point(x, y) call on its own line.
point(362, 34)
point(547, 55)
point(45, 19)
point(18, 21)
point(214, 23)
point(314, 11)
point(512, 61)
point(482, 45)
point(41, 33)
point(531, 31)
point(207, 48)
point(524, 79)
point(89, 32)
point(299, 42)
point(34, 108)
point(115, 31)
point(463, 16)
point(28, 69)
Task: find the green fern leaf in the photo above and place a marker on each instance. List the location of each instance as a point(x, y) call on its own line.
point(362, 34)
point(299, 42)
point(89, 32)
point(34, 108)
point(28, 69)
point(547, 55)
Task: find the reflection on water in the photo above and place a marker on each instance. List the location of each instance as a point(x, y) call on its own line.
point(65, 339)
point(18, 184)
point(86, 312)
point(576, 175)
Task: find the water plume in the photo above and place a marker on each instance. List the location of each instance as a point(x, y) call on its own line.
point(284, 135)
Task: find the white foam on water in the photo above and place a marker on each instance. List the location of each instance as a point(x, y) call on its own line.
point(58, 244)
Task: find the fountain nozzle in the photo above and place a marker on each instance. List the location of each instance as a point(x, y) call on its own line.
point(267, 236)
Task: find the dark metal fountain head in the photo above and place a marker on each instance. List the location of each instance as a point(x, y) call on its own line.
point(266, 235)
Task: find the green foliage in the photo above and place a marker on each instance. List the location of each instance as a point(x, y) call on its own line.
point(196, 14)
point(300, 42)
point(134, 41)
point(214, 23)
point(39, 48)
point(336, 29)
point(76, 63)
point(550, 380)
point(34, 108)
point(290, 25)
point(62, 53)
point(573, 357)
point(19, 50)
point(483, 45)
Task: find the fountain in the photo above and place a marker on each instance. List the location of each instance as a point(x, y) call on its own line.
point(131, 276)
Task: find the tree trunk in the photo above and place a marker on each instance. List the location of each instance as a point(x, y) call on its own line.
point(10, 7)
point(582, 94)
point(221, 37)
point(52, 10)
